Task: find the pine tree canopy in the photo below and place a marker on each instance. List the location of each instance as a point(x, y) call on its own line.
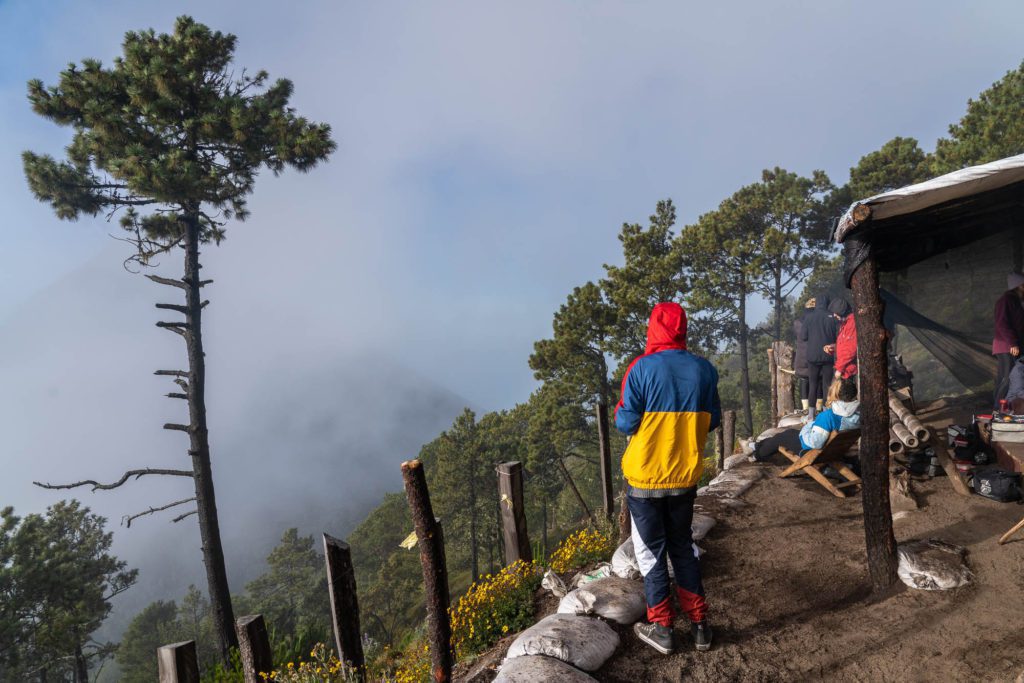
point(168, 131)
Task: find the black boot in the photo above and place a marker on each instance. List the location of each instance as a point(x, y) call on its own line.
point(702, 635)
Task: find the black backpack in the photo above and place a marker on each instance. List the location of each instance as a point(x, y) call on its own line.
point(997, 484)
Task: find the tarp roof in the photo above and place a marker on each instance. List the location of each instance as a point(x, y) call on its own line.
point(915, 222)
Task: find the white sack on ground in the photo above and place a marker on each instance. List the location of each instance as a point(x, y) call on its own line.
point(554, 583)
point(539, 668)
point(733, 460)
point(617, 599)
point(933, 565)
point(732, 483)
point(624, 563)
point(584, 642)
point(701, 525)
point(792, 420)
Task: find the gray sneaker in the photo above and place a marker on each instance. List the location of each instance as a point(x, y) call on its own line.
point(657, 636)
point(702, 635)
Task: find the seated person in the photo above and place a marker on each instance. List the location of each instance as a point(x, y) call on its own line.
point(841, 415)
point(1015, 394)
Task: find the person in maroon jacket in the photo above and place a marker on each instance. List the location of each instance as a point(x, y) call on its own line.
point(1009, 336)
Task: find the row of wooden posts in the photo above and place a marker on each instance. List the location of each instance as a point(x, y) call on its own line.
point(178, 662)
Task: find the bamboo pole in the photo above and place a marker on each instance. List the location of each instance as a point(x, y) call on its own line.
point(895, 445)
point(908, 418)
point(430, 539)
point(904, 435)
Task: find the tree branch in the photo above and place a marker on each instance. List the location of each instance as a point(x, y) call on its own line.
point(127, 519)
point(173, 307)
point(171, 373)
point(181, 517)
point(176, 395)
point(167, 281)
point(130, 473)
point(177, 427)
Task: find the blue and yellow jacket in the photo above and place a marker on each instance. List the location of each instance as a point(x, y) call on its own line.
point(669, 404)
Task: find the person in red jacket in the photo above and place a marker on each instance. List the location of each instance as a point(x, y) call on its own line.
point(1009, 332)
point(846, 340)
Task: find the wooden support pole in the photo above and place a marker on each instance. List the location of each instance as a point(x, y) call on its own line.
point(874, 411)
point(729, 430)
point(773, 380)
point(625, 521)
point(430, 539)
point(177, 663)
point(341, 589)
point(513, 513)
point(605, 452)
point(254, 648)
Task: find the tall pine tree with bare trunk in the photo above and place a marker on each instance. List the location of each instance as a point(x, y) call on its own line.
point(170, 140)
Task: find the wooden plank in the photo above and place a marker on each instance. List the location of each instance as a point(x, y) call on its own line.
point(177, 663)
point(341, 589)
point(254, 647)
point(952, 473)
point(824, 481)
point(513, 513)
point(1016, 527)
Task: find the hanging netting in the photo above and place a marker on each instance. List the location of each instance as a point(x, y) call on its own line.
point(943, 309)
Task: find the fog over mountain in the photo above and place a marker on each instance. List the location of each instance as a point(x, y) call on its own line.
point(299, 437)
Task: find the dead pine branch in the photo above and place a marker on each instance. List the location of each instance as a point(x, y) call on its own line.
point(96, 486)
point(166, 281)
point(127, 519)
point(187, 514)
point(171, 373)
point(177, 427)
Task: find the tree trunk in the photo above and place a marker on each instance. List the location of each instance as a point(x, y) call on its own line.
point(473, 545)
point(206, 502)
point(576, 491)
point(81, 666)
point(748, 415)
point(778, 303)
point(605, 453)
point(874, 411)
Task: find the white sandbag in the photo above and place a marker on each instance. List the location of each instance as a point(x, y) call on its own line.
point(734, 460)
point(732, 483)
point(584, 642)
point(932, 565)
point(616, 599)
point(601, 571)
point(701, 525)
point(624, 561)
point(539, 668)
point(771, 431)
point(798, 419)
point(553, 582)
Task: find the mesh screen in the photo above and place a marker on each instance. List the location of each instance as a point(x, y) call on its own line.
point(946, 338)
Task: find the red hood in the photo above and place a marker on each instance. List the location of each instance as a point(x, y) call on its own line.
point(666, 329)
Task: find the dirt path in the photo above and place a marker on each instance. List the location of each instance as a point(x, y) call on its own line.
point(786, 579)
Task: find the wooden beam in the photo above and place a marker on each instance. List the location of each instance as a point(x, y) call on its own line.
point(874, 411)
point(254, 648)
point(177, 663)
point(513, 513)
point(341, 589)
point(952, 473)
point(430, 539)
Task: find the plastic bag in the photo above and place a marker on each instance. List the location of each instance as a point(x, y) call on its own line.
point(535, 668)
point(584, 642)
point(553, 582)
point(933, 565)
point(599, 572)
point(616, 599)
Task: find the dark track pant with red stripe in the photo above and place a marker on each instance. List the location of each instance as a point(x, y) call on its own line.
point(662, 533)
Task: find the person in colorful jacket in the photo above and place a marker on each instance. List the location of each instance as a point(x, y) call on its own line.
point(846, 340)
point(669, 403)
point(1009, 333)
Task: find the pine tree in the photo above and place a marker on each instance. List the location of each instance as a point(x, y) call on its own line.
point(172, 141)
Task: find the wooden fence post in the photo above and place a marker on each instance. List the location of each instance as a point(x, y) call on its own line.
point(874, 412)
point(430, 538)
point(784, 364)
point(254, 647)
point(513, 513)
point(773, 381)
point(605, 452)
point(729, 430)
point(341, 588)
point(625, 520)
point(177, 663)
point(720, 448)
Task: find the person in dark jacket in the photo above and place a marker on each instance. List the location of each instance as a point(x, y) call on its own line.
point(1009, 332)
point(800, 359)
point(820, 331)
point(669, 403)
